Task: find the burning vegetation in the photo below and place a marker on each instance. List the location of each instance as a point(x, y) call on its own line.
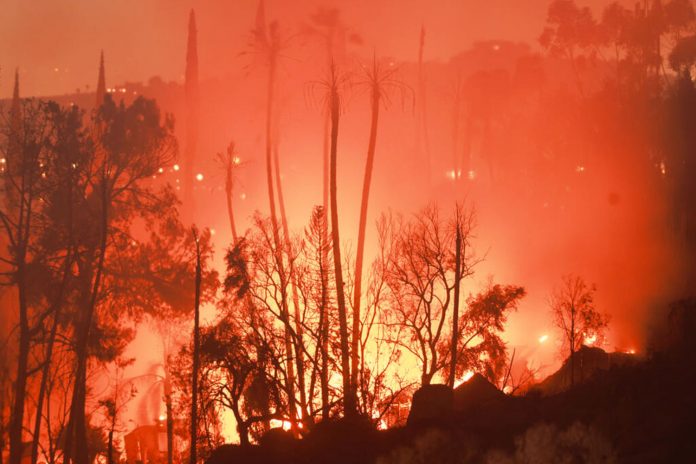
point(521, 287)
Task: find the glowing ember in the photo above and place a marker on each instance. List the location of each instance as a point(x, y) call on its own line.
point(590, 340)
point(199, 177)
point(543, 338)
point(176, 167)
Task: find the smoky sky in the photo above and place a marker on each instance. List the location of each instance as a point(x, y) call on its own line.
point(56, 43)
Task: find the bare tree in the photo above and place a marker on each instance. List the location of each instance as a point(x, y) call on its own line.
point(575, 316)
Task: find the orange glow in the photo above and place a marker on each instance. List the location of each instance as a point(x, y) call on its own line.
point(465, 378)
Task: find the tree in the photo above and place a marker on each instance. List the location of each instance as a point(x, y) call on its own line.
point(570, 31)
point(318, 276)
point(380, 79)
point(268, 42)
point(422, 277)
point(575, 316)
point(334, 100)
point(132, 143)
point(230, 160)
point(114, 404)
point(154, 280)
point(196, 350)
point(24, 150)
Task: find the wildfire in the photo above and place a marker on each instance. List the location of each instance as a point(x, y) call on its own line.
point(591, 339)
point(465, 378)
point(284, 424)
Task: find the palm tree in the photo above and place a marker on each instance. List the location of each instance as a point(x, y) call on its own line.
point(334, 99)
point(379, 79)
point(269, 43)
point(230, 160)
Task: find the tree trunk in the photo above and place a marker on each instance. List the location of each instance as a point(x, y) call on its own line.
point(229, 192)
point(349, 397)
point(17, 421)
point(357, 293)
point(196, 354)
point(455, 310)
point(170, 418)
point(23, 230)
point(110, 447)
point(299, 343)
point(77, 427)
point(290, 385)
point(46, 371)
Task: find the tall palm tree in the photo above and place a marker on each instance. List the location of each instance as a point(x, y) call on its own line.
point(334, 101)
point(380, 79)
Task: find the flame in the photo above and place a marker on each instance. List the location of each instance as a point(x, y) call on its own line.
point(543, 338)
point(465, 378)
point(591, 339)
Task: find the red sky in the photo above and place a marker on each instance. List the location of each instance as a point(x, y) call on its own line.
point(56, 43)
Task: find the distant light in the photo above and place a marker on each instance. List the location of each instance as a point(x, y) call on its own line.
point(543, 338)
point(496, 47)
point(3, 161)
point(471, 174)
point(243, 196)
point(663, 168)
point(236, 160)
point(580, 168)
point(56, 69)
point(630, 351)
point(162, 417)
point(199, 177)
point(160, 170)
point(176, 167)
point(451, 174)
point(212, 231)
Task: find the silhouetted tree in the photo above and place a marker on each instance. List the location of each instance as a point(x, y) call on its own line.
point(575, 316)
point(380, 79)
